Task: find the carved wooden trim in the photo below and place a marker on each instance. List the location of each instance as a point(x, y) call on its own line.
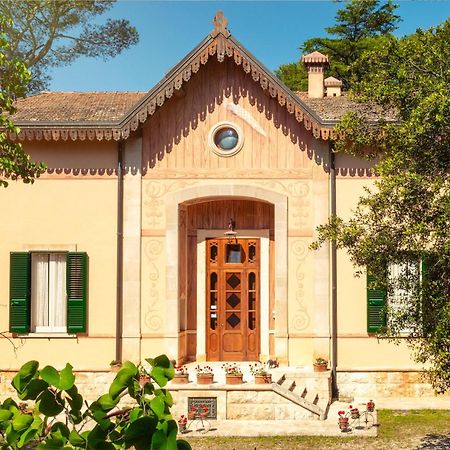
point(220, 44)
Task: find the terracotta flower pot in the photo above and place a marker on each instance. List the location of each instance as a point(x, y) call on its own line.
point(370, 406)
point(205, 378)
point(233, 379)
point(343, 423)
point(263, 378)
point(320, 367)
point(180, 378)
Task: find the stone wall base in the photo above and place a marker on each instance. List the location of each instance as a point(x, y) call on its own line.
point(362, 386)
point(90, 384)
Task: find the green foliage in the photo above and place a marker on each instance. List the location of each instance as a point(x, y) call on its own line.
point(61, 419)
point(49, 33)
point(359, 26)
point(405, 218)
point(14, 162)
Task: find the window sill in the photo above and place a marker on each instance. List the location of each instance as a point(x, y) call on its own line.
point(47, 336)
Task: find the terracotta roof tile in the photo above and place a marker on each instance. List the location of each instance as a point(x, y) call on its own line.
point(75, 106)
point(334, 108)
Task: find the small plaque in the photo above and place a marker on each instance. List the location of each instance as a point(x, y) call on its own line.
point(209, 402)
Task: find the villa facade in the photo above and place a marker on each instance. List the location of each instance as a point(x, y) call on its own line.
point(179, 221)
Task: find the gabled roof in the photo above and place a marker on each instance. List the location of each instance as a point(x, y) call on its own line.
point(106, 120)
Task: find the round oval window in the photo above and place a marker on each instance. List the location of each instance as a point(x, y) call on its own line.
point(226, 139)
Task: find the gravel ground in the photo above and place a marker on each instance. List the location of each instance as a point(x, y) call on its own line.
point(403, 430)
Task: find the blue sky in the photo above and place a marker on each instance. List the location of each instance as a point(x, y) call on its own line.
point(271, 30)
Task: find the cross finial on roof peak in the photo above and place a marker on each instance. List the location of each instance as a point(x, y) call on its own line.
point(220, 24)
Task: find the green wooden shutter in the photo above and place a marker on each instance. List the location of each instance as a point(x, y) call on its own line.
point(19, 292)
point(376, 301)
point(76, 292)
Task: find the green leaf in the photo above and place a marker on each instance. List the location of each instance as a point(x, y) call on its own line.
point(135, 413)
point(96, 436)
point(51, 444)
point(60, 431)
point(51, 376)
point(33, 389)
point(107, 403)
point(67, 378)
point(5, 415)
point(25, 375)
point(76, 439)
point(100, 417)
point(11, 435)
point(165, 395)
point(74, 399)
point(158, 406)
point(27, 437)
point(159, 441)
point(21, 421)
point(183, 445)
point(140, 432)
point(49, 405)
point(162, 370)
point(10, 404)
point(121, 382)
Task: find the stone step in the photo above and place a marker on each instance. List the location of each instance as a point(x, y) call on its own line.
point(299, 400)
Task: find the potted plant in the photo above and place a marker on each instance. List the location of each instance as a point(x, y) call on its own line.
point(192, 413)
point(320, 365)
point(205, 374)
point(354, 412)
point(182, 424)
point(204, 411)
point(370, 406)
point(233, 374)
point(181, 375)
point(260, 373)
point(343, 421)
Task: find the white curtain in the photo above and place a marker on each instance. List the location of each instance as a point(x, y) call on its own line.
point(39, 290)
point(57, 292)
point(399, 274)
point(48, 292)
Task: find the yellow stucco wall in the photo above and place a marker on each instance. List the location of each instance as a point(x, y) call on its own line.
point(356, 348)
point(73, 207)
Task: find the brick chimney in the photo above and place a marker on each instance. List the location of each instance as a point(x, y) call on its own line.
point(333, 87)
point(316, 63)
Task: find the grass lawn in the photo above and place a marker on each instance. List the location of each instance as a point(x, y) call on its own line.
point(412, 430)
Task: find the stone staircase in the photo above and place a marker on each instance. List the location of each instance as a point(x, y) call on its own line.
point(302, 396)
point(297, 393)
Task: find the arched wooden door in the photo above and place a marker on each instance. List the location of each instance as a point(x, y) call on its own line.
point(232, 300)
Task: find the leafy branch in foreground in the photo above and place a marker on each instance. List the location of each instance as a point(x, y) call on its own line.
point(14, 162)
point(47, 34)
point(403, 220)
point(61, 419)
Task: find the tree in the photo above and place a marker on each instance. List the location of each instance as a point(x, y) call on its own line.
point(405, 219)
point(49, 33)
point(14, 76)
point(358, 26)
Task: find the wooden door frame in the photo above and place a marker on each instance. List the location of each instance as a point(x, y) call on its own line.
point(263, 236)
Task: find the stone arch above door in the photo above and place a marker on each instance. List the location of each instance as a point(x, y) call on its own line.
point(194, 194)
